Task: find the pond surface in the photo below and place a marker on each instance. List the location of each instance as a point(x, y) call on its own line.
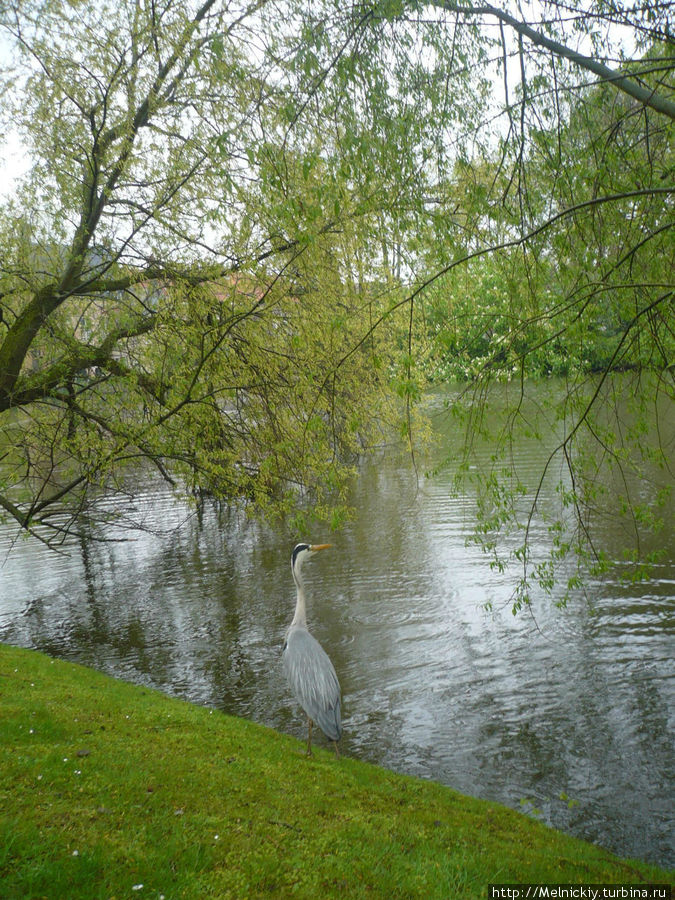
point(565, 714)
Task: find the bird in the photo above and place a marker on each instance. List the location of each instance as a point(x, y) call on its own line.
point(309, 671)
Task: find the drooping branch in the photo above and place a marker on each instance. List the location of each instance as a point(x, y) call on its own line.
point(583, 419)
point(494, 248)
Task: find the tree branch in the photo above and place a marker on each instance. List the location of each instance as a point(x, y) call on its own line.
point(622, 81)
point(83, 356)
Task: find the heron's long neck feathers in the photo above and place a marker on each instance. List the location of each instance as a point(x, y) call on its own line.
point(300, 617)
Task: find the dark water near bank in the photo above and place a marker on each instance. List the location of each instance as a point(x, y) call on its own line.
point(566, 714)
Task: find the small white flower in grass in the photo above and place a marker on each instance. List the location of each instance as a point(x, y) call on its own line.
point(136, 887)
point(76, 852)
point(216, 837)
point(78, 771)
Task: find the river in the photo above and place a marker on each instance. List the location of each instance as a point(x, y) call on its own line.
point(566, 714)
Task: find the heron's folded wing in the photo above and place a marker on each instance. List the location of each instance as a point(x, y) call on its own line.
point(313, 680)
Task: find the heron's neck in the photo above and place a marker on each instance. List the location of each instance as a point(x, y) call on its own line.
point(300, 617)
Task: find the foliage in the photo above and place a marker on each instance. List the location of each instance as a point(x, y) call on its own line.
point(111, 790)
point(577, 284)
point(243, 226)
point(175, 285)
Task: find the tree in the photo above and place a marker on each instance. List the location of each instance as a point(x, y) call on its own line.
point(171, 289)
point(558, 199)
point(232, 214)
point(580, 281)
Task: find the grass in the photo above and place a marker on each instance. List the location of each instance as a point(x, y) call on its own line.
point(108, 790)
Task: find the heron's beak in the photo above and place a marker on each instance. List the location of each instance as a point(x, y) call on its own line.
point(315, 547)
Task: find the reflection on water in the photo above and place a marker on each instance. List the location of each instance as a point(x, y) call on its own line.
point(570, 712)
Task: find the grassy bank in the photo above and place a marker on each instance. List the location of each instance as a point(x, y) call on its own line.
point(108, 790)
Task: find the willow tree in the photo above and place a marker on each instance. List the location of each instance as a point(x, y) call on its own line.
point(570, 262)
point(229, 206)
point(535, 159)
point(176, 285)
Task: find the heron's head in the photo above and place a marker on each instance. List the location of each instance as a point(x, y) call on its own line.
point(301, 552)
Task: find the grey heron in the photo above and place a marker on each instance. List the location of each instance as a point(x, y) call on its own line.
point(309, 671)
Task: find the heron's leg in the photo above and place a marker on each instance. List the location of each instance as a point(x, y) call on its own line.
point(309, 736)
point(337, 750)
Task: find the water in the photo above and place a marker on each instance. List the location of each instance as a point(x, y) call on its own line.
point(565, 714)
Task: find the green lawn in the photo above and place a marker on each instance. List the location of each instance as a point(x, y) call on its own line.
point(108, 790)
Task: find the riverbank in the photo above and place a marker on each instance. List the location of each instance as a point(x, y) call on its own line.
point(110, 790)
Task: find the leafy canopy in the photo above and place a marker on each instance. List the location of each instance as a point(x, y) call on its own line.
point(244, 224)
